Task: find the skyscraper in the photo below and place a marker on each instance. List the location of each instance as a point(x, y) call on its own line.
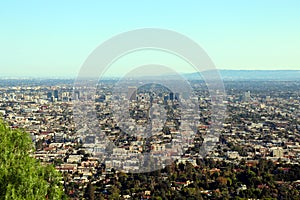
point(171, 96)
point(247, 96)
point(49, 95)
point(56, 94)
point(76, 95)
point(177, 96)
point(166, 98)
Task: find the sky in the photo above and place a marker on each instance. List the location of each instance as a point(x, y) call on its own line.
point(54, 38)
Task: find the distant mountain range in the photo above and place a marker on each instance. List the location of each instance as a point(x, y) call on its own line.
point(268, 75)
point(227, 75)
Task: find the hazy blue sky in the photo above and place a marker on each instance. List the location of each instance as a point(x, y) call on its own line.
point(53, 38)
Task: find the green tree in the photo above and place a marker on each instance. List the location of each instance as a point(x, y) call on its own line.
point(21, 176)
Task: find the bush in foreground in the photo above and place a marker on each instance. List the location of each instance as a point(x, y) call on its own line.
point(22, 176)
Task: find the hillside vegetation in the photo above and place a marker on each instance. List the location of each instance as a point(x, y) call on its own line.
point(21, 176)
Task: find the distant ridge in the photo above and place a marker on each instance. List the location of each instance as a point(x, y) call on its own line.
point(227, 75)
point(268, 75)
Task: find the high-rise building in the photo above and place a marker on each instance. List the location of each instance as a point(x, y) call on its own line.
point(247, 96)
point(166, 98)
point(171, 96)
point(76, 95)
point(55, 93)
point(177, 96)
point(49, 95)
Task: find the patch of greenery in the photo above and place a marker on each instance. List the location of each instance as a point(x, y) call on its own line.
point(22, 176)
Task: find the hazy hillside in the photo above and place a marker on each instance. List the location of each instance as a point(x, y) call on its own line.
point(254, 75)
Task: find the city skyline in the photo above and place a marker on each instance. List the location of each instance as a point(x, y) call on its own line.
point(252, 151)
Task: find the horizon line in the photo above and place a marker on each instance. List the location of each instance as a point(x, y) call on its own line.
point(3, 77)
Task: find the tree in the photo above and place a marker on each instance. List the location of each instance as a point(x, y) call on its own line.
point(222, 181)
point(115, 193)
point(21, 176)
